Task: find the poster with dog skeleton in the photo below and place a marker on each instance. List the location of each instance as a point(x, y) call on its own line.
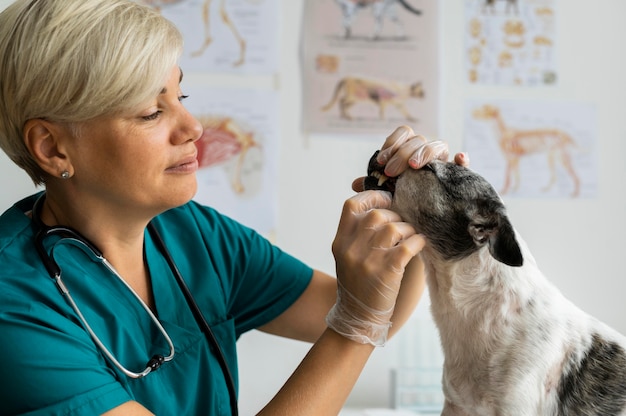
point(234, 36)
point(533, 149)
point(369, 66)
point(238, 153)
point(511, 42)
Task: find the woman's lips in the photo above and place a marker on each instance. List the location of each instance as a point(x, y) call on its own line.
point(186, 165)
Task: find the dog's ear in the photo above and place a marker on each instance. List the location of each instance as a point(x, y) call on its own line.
point(501, 239)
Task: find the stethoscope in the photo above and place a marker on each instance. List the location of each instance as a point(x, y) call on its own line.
point(75, 238)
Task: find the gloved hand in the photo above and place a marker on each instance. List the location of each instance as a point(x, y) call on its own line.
point(403, 149)
point(372, 248)
point(404, 146)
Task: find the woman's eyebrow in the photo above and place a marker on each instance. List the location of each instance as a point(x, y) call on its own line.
point(180, 79)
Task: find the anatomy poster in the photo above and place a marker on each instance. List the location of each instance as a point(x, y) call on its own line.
point(511, 42)
point(370, 66)
point(239, 36)
point(533, 149)
point(238, 153)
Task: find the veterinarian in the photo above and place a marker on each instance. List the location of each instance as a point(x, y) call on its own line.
point(120, 295)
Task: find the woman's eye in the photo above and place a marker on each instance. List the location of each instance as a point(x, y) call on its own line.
point(152, 116)
point(157, 114)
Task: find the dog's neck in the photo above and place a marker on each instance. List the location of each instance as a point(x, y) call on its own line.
point(467, 289)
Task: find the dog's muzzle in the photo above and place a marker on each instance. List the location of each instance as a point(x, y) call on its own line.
point(376, 178)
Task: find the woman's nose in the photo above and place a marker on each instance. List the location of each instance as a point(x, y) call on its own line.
point(189, 129)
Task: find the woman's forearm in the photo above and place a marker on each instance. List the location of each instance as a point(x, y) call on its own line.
point(323, 380)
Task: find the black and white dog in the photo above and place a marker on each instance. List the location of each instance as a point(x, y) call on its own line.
point(513, 344)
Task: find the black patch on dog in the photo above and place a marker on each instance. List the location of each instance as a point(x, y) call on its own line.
point(597, 384)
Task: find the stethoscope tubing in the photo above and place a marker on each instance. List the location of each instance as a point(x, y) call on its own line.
point(74, 237)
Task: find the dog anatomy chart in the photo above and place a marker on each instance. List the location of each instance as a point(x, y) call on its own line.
point(239, 36)
point(533, 149)
point(238, 153)
point(511, 42)
point(369, 66)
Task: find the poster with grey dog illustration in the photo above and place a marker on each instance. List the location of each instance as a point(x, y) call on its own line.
point(369, 66)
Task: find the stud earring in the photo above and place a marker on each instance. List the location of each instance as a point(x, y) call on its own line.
point(65, 174)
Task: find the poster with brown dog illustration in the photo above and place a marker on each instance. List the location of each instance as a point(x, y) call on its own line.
point(533, 149)
point(369, 66)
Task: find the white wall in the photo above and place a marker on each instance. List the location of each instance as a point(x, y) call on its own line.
point(578, 243)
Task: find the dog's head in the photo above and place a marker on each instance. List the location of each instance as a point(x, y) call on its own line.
point(456, 209)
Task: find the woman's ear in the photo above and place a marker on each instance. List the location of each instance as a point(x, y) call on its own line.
point(44, 141)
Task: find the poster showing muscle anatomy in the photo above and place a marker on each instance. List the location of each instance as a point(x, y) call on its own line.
point(239, 36)
point(369, 66)
point(238, 153)
point(510, 42)
point(533, 149)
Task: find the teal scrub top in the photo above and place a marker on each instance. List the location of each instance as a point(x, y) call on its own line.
point(51, 366)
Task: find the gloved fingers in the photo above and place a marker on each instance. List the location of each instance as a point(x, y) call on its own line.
point(375, 249)
point(461, 159)
point(406, 250)
point(414, 152)
point(358, 185)
point(368, 215)
point(388, 254)
point(389, 234)
point(366, 201)
point(360, 217)
point(393, 142)
point(371, 250)
point(396, 157)
point(428, 152)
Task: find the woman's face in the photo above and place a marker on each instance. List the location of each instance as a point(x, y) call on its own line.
point(143, 159)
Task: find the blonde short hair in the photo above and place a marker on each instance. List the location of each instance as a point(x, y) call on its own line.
point(70, 61)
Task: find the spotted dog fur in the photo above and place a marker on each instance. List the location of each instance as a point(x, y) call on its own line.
point(513, 344)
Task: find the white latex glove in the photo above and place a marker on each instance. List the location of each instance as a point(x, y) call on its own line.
point(403, 149)
point(372, 248)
